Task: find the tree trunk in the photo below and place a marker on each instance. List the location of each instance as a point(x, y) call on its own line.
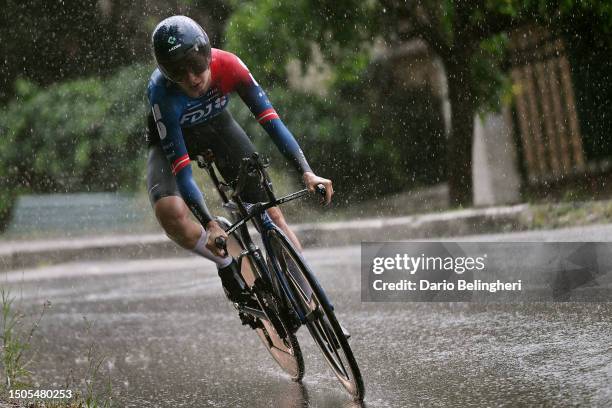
point(460, 139)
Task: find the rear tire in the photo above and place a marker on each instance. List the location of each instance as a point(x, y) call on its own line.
point(285, 351)
point(323, 326)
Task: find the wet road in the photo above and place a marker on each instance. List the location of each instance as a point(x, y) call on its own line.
point(169, 339)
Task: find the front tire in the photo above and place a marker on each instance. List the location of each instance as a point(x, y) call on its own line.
point(323, 324)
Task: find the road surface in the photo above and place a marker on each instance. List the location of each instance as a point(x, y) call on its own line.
point(167, 338)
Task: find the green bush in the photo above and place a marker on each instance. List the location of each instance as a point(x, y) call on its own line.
point(82, 135)
point(86, 135)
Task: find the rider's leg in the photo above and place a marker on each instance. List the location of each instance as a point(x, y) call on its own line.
point(173, 215)
point(279, 219)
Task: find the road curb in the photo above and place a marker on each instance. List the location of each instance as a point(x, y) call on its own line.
point(452, 223)
point(28, 254)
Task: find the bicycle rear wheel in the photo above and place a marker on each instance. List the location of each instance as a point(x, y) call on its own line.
point(285, 350)
point(321, 319)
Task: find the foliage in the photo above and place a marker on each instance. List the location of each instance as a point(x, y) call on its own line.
point(589, 48)
point(328, 130)
point(82, 38)
point(359, 134)
point(346, 32)
point(92, 398)
point(406, 142)
point(83, 135)
point(15, 344)
point(342, 29)
point(366, 155)
point(468, 37)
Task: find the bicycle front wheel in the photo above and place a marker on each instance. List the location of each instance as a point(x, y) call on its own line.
point(322, 323)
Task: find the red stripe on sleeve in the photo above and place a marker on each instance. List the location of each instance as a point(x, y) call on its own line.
point(267, 116)
point(180, 163)
point(264, 113)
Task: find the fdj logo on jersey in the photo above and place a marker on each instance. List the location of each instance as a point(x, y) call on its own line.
point(204, 112)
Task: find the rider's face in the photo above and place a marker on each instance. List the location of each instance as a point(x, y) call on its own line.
point(195, 85)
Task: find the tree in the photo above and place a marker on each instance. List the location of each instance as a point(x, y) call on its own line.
point(84, 38)
point(468, 37)
point(455, 31)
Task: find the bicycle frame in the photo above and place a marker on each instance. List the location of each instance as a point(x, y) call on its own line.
point(286, 300)
point(263, 224)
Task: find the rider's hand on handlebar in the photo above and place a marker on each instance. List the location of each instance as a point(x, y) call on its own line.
point(311, 181)
point(214, 231)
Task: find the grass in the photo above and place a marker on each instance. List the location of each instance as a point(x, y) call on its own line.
point(17, 355)
point(569, 214)
point(14, 344)
point(91, 398)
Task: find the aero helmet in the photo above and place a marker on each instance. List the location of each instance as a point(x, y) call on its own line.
point(180, 45)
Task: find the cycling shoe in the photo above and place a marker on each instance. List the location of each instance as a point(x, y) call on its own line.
point(234, 286)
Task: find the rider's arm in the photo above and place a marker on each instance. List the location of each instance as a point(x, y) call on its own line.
point(255, 98)
point(171, 136)
point(257, 101)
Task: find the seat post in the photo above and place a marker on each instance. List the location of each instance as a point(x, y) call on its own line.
point(205, 161)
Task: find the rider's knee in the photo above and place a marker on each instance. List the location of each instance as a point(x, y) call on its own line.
point(277, 216)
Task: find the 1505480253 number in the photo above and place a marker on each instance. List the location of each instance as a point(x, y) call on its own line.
point(40, 394)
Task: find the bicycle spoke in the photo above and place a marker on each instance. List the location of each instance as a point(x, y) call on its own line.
point(340, 360)
point(332, 342)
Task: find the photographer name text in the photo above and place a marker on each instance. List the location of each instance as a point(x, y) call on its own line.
point(459, 285)
point(411, 265)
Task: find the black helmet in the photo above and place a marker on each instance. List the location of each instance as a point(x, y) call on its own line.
point(180, 45)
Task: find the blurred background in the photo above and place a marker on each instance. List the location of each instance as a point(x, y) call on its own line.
point(408, 107)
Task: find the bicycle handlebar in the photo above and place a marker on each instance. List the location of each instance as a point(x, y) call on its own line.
point(253, 166)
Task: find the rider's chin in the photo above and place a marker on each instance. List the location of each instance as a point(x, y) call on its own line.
point(193, 91)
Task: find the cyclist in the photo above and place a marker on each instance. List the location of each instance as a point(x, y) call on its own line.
point(188, 95)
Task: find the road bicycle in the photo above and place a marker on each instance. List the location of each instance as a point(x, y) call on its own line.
point(285, 293)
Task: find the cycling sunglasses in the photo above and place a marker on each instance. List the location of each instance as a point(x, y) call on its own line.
point(196, 61)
